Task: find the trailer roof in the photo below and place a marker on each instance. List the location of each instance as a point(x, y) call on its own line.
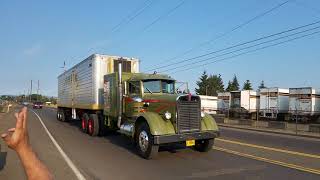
point(98, 55)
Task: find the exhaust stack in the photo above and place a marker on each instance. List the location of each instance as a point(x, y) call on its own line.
point(120, 94)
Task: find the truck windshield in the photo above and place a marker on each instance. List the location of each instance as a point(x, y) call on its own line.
point(151, 86)
point(167, 87)
point(157, 86)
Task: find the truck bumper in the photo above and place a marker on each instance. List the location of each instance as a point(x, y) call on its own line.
point(183, 137)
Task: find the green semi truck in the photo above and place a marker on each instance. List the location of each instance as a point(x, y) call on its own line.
point(144, 107)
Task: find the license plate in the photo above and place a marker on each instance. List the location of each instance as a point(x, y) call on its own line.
point(190, 142)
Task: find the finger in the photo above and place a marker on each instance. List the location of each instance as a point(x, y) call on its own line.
point(5, 137)
point(24, 113)
point(11, 129)
point(19, 121)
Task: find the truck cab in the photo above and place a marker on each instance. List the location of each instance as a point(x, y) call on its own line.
point(147, 108)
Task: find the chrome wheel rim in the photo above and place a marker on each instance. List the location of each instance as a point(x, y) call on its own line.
point(143, 141)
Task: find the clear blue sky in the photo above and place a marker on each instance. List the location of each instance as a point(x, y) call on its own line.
point(37, 36)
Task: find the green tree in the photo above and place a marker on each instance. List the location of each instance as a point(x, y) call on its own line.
point(202, 84)
point(229, 87)
point(261, 86)
point(247, 85)
point(215, 85)
point(233, 85)
point(209, 84)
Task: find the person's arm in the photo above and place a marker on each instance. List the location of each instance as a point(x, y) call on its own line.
point(17, 139)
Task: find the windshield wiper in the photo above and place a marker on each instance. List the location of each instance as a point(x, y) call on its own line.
point(148, 90)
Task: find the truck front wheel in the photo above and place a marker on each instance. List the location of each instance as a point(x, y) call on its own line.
point(144, 142)
point(204, 145)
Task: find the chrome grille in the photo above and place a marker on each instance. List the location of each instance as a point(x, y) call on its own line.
point(188, 115)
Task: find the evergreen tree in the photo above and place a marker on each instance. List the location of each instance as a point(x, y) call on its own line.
point(235, 84)
point(215, 85)
point(202, 84)
point(247, 85)
point(209, 85)
point(262, 85)
point(229, 87)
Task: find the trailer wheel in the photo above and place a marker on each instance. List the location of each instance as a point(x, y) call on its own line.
point(58, 114)
point(61, 115)
point(84, 122)
point(144, 142)
point(204, 145)
point(93, 125)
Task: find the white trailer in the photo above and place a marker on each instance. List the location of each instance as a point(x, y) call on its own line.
point(304, 103)
point(223, 102)
point(209, 104)
point(81, 87)
point(274, 103)
point(244, 103)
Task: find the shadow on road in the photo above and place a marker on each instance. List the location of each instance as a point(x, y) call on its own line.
point(127, 143)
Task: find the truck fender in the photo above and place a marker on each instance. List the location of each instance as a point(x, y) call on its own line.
point(208, 123)
point(157, 125)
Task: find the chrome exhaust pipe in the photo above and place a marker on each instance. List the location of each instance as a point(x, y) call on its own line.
point(120, 94)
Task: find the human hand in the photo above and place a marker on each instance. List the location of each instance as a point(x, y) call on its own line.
point(17, 138)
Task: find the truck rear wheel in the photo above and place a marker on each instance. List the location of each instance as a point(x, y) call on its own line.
point(144, 142)
point(84, 122)
point(93, 125)
point(204, 145)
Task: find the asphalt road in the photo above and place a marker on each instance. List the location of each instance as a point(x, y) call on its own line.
point(237, 154)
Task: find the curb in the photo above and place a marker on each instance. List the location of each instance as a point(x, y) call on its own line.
point(270, 131)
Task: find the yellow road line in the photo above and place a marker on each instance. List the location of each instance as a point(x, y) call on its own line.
point(292, 166)
point(269, 148)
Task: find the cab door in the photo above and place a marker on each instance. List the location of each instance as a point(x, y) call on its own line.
point(133, 99)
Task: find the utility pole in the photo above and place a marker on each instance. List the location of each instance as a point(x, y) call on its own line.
point(30, 91)
point(38, 92)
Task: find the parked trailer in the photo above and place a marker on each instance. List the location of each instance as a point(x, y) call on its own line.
point(107, 93)
point(274, 103)
point(244, 104)
point(304, 104)
point(224, 102)
point(209, 104)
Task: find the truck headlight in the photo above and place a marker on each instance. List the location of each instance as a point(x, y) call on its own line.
point(202, 114)
point(167, 115)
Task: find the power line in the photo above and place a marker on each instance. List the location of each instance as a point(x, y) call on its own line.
point(230, 31)
point(248, 47)
point(133, 15)
point(163, 16)
point(237, 45)
point(251, 51)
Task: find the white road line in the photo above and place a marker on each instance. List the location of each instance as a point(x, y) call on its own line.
point(63, 154)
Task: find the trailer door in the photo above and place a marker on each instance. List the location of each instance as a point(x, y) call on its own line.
point(305, 103)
